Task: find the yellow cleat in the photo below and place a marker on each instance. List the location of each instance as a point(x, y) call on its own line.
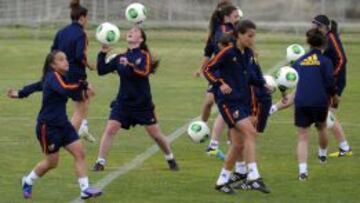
point(341, 153)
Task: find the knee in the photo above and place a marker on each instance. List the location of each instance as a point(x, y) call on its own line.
point(80, 155)
point(111, 131)
point(52, 164)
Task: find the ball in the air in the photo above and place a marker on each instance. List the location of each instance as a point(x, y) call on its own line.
point(107, 33)
point(287, 77)
point(136, 13)
point(198, 131)
point(294, 52)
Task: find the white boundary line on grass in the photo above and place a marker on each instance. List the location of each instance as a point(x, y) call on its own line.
point(137, 161)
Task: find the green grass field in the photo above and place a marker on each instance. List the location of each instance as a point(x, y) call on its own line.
point(178, 98)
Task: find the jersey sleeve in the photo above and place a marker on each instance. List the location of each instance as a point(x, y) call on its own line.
point(30, 89)
point(104, 68)
point(217, 62)
point(327, 70)
point(66, 89)
point(81, 48)
point(335, 44)
point(143, 69)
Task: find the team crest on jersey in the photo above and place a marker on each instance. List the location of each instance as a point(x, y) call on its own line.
point(138, 61)
point(236, 114)
point(311, 61)
point(234, 59)
point(51, 147)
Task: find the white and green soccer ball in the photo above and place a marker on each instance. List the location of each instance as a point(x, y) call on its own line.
point(270, 81)
point(107, 33)
point(294, 52)
point(330, 121)
point(198, 131)
point(136, 13)
point(287, 77)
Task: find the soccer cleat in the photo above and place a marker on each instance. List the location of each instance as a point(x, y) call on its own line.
point(90, 192)
point(341, 153)
point(238, 181)
point(84, 133)
point(322, 159)
point(98, 167)
point(26, 189)
point(303, 177)
point(258, 184)
point(173, 165)
point(225, 188)
point(216, 152)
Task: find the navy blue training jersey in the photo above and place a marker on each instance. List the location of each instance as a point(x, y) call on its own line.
point(316, 81)
point(134, 90)
point(211, 47)
point(72, 40)
point(230, 67)
point(55, 96)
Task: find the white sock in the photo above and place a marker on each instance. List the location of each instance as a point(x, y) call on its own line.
point(253, 171)
point(322, 152)
point(101, 161)
point(83, 183)
point(214, 144)
point(169, 156)
point(223, 177)
point(303, 168)
point(240, 167)
point(31, 178)
point(344, 146)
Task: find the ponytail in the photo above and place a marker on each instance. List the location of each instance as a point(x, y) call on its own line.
point(77, 10)
point(223, 9)
point(334, 26)
point(144, 47)
point(47, 64)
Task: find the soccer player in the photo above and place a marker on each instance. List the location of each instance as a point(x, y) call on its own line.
point(222, 21)
point(335, 51)
point(133, 104)
point(72, 40)
point(53, 127)
point(315, 88)
point(232, 96)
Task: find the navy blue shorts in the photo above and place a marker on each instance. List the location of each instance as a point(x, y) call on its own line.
point(52, 138)
point(130, 117)
point(261, 111)
point(233, 112)
point(306, 116)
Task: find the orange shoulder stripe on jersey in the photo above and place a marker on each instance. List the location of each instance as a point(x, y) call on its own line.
point(145, 72)
point(339, 54)
point(228, 114)
point(207, 73)
point(63, 84)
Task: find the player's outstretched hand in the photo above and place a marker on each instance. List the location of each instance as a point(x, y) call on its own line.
point(105, 48)
point(13, 94)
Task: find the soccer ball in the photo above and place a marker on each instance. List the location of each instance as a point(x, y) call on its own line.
point(270, 81)
point(330, 121)
point(287, 77)
point(107, 33)
point(241, 13)
point(294, 52)
point(136, 13)
point(198, 131)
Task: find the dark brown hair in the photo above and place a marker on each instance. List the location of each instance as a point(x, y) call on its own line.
point(77, 10)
